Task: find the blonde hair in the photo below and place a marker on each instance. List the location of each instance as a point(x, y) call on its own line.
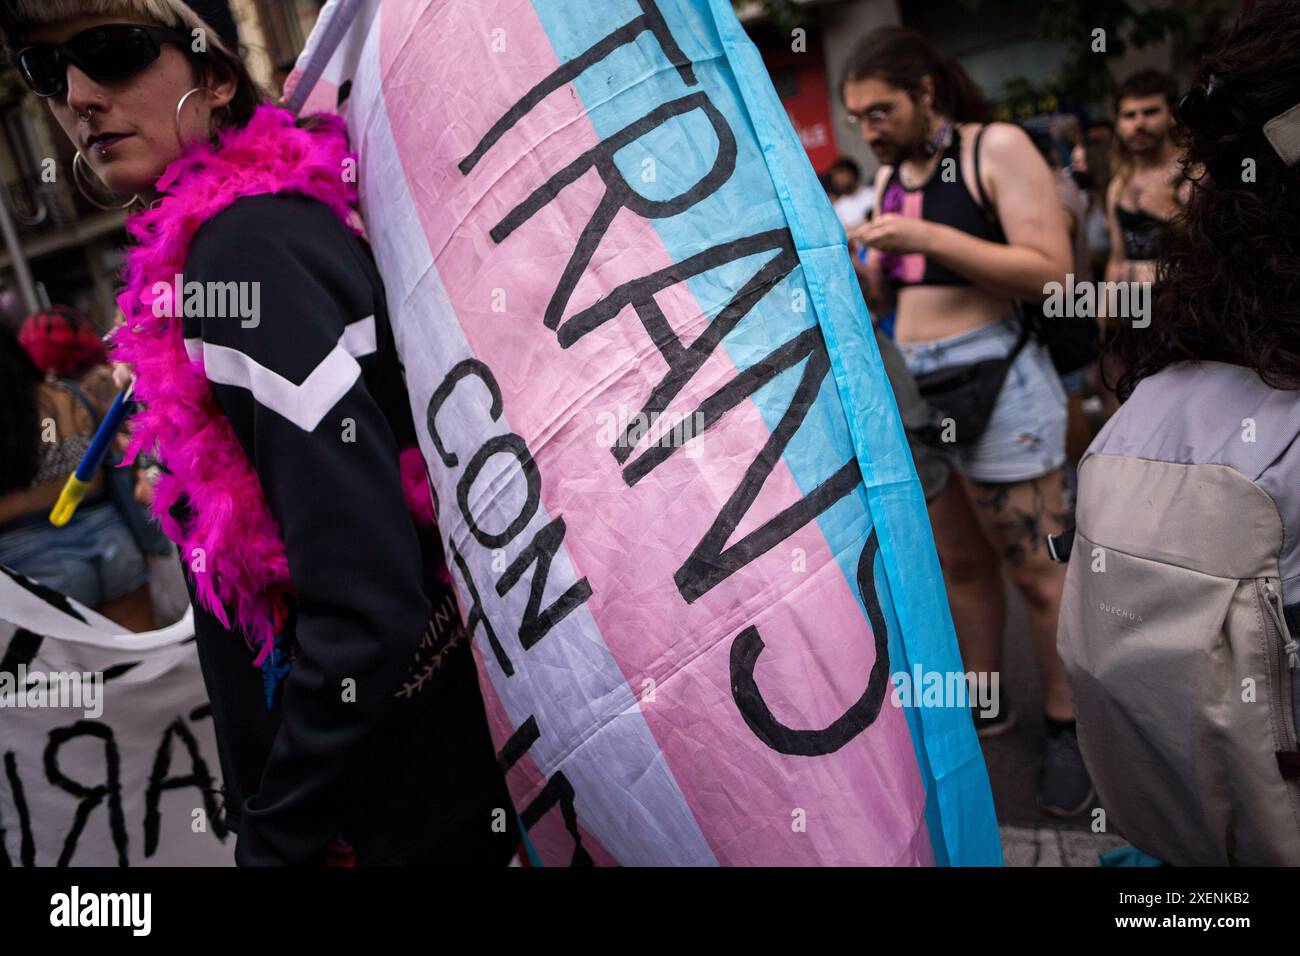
point(18, 16)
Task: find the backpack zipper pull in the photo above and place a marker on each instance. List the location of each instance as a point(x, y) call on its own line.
point(1289, 643)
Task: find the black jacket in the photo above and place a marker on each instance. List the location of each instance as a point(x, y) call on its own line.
point(403, 766)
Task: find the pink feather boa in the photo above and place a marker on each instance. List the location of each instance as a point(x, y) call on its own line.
point(231, 543)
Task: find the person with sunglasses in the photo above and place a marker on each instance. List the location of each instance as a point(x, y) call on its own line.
point(122, 155)
point(349, 721)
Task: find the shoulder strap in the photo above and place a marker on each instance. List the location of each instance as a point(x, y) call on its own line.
point(1027, 325)
point(987, 206)
point(72, 387)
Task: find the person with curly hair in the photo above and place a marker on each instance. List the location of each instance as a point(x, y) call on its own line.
point(1191, 492)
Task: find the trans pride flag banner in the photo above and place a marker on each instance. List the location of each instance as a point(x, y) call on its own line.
point(675, 493)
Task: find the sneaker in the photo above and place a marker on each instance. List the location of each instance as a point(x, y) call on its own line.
point(996, 725)
point(1065, 789)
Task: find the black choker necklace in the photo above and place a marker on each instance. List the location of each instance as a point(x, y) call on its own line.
point(937, 143)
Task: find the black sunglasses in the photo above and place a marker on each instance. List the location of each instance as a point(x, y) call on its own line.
point(107, 52)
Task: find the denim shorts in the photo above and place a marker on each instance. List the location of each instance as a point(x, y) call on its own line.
point(1073, 382)
point(1025, 437)
point(92, 559)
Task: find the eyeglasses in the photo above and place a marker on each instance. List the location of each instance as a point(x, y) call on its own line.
point(872, 117)
point(107, 52)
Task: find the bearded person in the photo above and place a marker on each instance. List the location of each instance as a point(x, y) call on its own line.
point(1149, 189)
point(967, 223)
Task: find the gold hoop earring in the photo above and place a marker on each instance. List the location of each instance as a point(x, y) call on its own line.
point(80, 179)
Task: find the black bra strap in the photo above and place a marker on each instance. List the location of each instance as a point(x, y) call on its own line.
point(987, 206)
point(72, 387)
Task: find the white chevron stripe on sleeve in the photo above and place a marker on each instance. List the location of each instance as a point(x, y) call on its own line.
point(306, 404)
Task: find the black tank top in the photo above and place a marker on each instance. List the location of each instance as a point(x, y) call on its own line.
point(941, 199)
point(1143, 233)
point(1140, 231)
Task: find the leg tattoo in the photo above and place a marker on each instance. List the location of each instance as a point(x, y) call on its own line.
point(1020, 532)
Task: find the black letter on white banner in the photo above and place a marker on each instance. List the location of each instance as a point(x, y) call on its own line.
point(537, 623)
point(91, 797)
point(27, 846)
point(475, 615)
point(507, 444)
point(199, 777)
point(460, 370)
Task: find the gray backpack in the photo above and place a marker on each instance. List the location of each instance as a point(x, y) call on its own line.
point(1174, 630)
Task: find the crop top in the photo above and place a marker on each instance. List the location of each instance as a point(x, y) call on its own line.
point(940, 199)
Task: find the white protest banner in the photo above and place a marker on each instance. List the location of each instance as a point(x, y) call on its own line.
point(107, 755)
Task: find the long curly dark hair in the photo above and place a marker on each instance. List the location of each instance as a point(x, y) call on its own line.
point(1228, 281)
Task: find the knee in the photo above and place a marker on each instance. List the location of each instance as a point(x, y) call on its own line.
point(1040, 582)
point(981, 569)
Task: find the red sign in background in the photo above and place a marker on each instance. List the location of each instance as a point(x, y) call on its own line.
point(800, 81)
